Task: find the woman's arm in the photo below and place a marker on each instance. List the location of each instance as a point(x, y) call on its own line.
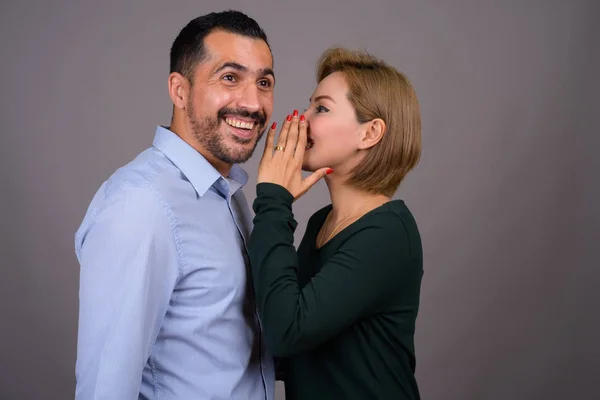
point(367, 269)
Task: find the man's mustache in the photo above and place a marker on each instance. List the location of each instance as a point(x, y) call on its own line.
point(258, 117)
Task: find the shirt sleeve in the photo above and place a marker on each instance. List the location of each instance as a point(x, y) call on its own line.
point(128, 269)
point(351, 285)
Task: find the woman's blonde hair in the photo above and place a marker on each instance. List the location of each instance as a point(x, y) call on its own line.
point(377, 90)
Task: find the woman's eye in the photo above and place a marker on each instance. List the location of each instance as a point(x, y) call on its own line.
point(321, 109)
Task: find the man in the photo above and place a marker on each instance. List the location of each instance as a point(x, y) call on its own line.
point(166, 307)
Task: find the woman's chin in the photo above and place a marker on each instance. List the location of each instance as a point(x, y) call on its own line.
point(306, 168)
point(314, 162)
point(309, 166)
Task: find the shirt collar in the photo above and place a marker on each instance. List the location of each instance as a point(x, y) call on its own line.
point(201, 174)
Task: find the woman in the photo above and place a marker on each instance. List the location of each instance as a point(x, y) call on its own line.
point(341, 310)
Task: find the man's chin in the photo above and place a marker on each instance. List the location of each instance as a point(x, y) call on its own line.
point(241, 152)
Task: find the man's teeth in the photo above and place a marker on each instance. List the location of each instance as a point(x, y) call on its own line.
point(239, 124)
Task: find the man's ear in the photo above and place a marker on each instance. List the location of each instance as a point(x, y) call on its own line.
point(373, 132)
point(179, 90)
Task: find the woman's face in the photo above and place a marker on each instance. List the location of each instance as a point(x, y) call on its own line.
point(333, 130)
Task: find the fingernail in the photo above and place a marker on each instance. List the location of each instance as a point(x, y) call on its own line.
point(274, 125)
point(295, 113)
point(302, 118)
point(289, 118)
point(329, 171)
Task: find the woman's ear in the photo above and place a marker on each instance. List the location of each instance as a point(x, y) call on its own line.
point(373, 132)
point(179, 88)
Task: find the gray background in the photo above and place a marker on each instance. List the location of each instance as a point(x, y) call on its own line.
point(506, 194)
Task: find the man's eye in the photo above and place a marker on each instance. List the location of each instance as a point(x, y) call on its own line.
point(265, 83)
point(229, 78)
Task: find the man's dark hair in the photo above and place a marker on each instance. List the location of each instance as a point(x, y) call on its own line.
point(188, 48)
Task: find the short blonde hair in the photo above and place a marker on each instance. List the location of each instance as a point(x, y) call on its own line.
point(377, 90)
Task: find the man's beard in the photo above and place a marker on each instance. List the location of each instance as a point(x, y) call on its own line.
point(206, 132)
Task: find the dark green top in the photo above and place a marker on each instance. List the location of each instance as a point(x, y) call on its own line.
point(342, 317)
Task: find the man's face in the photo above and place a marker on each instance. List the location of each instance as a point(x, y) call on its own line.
point(231, 100)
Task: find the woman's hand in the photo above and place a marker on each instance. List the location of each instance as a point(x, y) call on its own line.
point(282, 164)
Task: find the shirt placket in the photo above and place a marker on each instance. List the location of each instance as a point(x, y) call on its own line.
point(244, 232)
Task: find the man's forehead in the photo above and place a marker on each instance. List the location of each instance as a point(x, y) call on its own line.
point(252, 53)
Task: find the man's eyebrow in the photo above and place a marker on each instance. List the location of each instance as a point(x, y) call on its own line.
point(321, 97)
point(243, 68)
point(267, 71)
point(234, 65)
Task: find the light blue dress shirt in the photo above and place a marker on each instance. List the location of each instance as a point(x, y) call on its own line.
point(166, 306)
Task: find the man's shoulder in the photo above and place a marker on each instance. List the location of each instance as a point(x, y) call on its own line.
point(127, 208)
point(150, 173)
point(151, 168)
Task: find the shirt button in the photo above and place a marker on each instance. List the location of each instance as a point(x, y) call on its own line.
point(222, 182)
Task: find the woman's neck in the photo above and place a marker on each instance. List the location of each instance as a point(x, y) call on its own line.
point(347, 200)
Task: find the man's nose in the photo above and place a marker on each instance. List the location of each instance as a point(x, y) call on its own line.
point(249, 98)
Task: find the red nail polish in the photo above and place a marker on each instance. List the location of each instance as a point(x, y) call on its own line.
point(295, 113)
point(302, 118)
point(274, 125)
point(289, 118)
point(329, 171)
